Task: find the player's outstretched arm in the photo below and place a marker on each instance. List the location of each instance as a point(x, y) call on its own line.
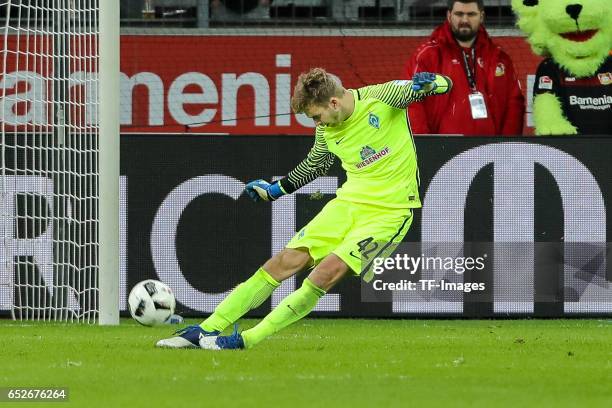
point(400, 94)
point(316, 164)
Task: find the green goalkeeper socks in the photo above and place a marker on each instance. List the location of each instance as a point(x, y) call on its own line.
point(246, 296)
point(291, 309)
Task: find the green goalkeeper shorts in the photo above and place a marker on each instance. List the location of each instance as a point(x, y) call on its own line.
point(357, 233)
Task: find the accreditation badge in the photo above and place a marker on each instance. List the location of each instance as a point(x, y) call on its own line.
point(478, 105)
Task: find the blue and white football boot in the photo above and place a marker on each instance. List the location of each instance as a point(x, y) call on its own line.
point(231, 342)
point(187, 337)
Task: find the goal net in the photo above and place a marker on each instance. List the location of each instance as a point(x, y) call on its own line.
point(49, 158)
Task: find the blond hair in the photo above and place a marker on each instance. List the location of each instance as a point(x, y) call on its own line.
point(314, 87)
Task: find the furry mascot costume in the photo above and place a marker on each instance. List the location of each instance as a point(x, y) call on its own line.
point(573, 88)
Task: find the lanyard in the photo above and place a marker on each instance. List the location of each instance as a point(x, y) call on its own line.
point(471, 74)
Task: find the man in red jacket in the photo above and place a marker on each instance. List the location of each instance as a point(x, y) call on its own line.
point(486, 98)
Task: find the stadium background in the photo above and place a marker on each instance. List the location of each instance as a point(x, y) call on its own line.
point(231, 69)
point(240, 83)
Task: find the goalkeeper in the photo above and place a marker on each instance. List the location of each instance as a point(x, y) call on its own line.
point(368, 129)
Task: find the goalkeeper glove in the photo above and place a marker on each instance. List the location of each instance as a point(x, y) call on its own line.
point(421, 80)
point(262, 190)
point(428, 82)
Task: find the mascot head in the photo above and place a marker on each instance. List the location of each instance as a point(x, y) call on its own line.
point(577, 34)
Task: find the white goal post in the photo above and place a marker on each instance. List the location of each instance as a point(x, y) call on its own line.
point(59, 160)
point(109, 162)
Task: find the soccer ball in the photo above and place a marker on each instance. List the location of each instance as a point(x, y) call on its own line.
point(151, 302)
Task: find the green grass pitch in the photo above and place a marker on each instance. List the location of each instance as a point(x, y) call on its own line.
point(322, 362)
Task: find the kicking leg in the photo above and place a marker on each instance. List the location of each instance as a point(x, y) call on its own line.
point(246, 296)
point(294, 307)
point(254, 291)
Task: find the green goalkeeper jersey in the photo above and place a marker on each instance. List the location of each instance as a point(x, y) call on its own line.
point(376, 148)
